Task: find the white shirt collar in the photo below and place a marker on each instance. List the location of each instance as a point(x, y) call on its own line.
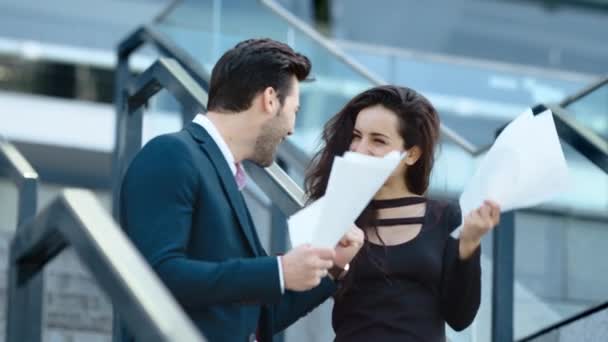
point(204, 121)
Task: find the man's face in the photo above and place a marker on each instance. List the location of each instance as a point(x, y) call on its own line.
point(277, 128)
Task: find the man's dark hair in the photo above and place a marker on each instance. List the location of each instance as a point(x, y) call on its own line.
point(249, 68)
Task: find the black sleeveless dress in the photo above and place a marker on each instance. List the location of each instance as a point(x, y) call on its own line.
point(407, 292)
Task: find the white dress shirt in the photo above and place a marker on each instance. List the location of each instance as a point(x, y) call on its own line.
point(204, 122)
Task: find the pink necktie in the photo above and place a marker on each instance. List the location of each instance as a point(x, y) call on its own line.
point(240, 176)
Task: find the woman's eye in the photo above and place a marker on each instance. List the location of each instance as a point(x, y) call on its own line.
point(381, 142)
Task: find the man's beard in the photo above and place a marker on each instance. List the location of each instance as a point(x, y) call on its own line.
point(268, 141)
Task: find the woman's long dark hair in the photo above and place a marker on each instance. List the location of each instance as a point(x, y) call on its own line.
point(418, 126)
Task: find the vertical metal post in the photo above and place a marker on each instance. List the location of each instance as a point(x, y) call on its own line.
point(129, 125)
point(278, 233)
point(24, 298)
point(24, 303)
point(121, 79)
point(278, 236)
point(28, 200)
point(278, 243)
point(503, 274)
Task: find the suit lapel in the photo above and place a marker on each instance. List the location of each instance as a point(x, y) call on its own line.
point(227, 178)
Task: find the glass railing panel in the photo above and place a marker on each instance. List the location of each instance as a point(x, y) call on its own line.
point(557, 247)
point(591, 110)
point(577, 215)
point(469, 93)
point(588, 326)
point(454, 167)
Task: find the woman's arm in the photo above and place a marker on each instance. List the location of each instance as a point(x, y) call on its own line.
point(461, 279)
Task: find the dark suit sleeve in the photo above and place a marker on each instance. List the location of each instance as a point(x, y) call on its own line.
point(461, 280)
point(158, 197)
point(294, 305)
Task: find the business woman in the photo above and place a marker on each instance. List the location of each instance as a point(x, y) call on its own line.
point(410, 277)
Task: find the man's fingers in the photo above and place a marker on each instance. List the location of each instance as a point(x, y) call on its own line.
point(474, 215)
point(485, 211)
point(320, 264)
point(325, 264)
point(324, 253)
point(321, 273)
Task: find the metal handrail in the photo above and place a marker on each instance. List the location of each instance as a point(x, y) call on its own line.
point(25, 178)
point(565, 322)
point(575, 97)
point(148, 35)
point(278, 186)
point(581, 138)
point(78, 220)
point(162, 74)
point(28, 302)
point(166, 11)
point(324, 42)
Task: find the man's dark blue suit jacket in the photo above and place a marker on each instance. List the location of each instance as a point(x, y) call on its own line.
point(181, 207)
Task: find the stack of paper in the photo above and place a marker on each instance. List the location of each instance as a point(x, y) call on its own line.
point(524, 167)
point(354, 180)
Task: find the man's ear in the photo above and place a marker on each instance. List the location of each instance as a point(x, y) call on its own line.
point(413, 154)
point(270, 100)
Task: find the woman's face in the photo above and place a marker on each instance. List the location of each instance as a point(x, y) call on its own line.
point(376, 132)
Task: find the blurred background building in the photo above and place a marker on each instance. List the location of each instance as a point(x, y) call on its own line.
point(480, 62)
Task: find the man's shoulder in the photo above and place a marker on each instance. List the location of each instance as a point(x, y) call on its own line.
point(171, 141)
point(177, 149)
point(172, 145)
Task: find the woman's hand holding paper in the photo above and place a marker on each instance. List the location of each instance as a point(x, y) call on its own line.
point(476, 224)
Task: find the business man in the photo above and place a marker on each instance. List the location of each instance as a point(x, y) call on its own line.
point(182, 206)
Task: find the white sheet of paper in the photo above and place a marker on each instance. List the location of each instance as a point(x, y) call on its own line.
point(524, 167)
point(301, 224)
point(353, 181)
